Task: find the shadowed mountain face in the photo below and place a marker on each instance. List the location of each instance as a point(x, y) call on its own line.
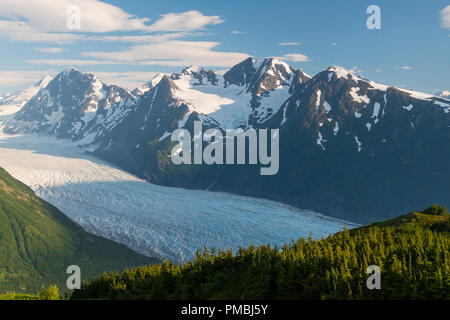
point(353, 148)
point(38, 243)
point(349, 147)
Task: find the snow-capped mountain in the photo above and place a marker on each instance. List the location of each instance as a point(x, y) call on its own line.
point(337, 100)
point(218, 101)
point(73, 106)
point(270, 82)
point(145, 132)
point(148, 85)
point(349, 147)
point(352, 147)
point(341, 136)
point(77, 106)
point(22, 97)
point(248, 94)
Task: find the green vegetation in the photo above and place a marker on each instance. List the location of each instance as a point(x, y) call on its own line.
point(413, 252)
point(38, 243)
point(50, 293)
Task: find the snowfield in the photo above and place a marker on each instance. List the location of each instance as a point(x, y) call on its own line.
point(168, 223)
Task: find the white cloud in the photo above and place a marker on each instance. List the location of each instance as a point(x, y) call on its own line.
point(46, 21)
point(289, 43)
point(333, 44)
point(143, 38)
point(73, 62)
point(158, 43)
point(186, 21)
point(21, 31)
point(404, 68)
point(173, 53)
point(295, 57)
point(238, 32)
point(52, 16)
point(50, 50)
point(445, 17)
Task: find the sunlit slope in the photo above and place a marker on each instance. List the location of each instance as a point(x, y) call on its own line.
point(412, 252)
point(38, 243)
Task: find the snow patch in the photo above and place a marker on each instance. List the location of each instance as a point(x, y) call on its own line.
point(358, 143)
point(284, 115)
point(409, 108)
point(327, 106)
point(164, 136)
point(358, 98)
point(320, 141)
point(376, 111)
point(336, 128)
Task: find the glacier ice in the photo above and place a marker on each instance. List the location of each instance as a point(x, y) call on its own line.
point(169, 223)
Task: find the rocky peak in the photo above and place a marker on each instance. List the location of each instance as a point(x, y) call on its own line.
point(260, 76)
point(241, 74)
point(198, 74)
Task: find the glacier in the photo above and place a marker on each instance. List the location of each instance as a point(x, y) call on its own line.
point(168, 223)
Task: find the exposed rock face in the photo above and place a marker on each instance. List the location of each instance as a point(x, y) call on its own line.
point(74, 106)
point(349, 147)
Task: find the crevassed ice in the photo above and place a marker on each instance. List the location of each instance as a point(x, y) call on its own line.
point(168, 223)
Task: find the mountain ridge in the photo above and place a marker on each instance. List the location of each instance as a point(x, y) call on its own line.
point(341, 135)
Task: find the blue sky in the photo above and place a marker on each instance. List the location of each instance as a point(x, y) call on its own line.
point(127, 42)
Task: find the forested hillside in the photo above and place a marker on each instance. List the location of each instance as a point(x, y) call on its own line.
point(413, 252)
point(38, 243)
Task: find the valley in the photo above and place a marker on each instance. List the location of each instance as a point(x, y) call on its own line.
point(163, 222)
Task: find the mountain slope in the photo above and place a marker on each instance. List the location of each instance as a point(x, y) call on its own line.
point(74, 106)
point(22, 97)
point(349, 147)
point(412, 251)
point(148, 85)
point(38, 243)
point(141, 142)
point(246, 96)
